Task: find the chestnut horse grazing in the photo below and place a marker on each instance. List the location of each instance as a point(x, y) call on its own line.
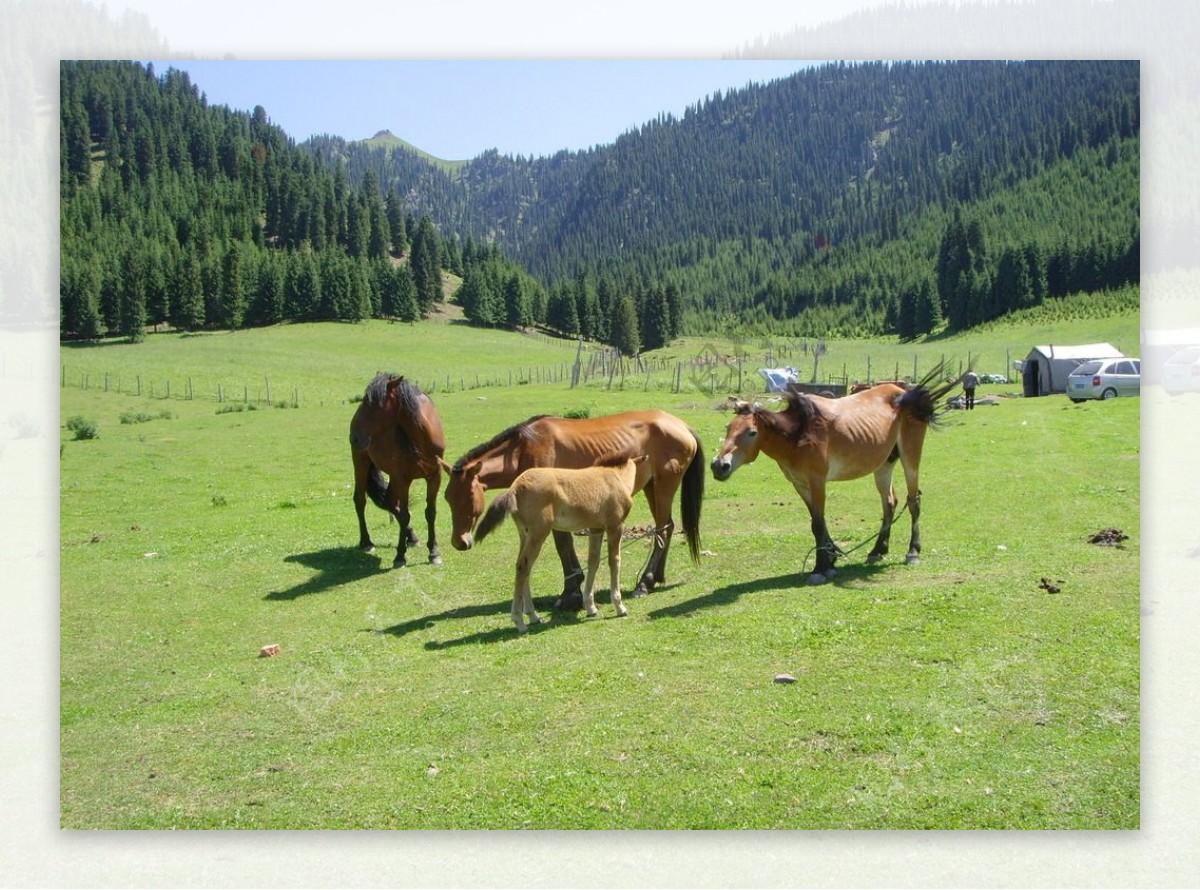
point(820, 440)
point(544, 499)
point(397, 430)
point(674, 460)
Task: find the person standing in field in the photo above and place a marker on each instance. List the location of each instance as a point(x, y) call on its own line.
point(970, 381)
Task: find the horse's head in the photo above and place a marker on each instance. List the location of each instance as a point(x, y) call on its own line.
point(464, 494)
point(741, 441)
point(377, 411)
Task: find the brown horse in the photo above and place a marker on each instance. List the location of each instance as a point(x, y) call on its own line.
point(675, 460)
point(818, 440)
point(544, 499)
point(396, 429)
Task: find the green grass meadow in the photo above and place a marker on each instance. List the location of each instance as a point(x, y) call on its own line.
point(960, 693)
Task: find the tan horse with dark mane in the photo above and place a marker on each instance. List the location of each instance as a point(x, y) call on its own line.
point(544, 499)
point(397, 430)
point(675, 462)
point(820, 440)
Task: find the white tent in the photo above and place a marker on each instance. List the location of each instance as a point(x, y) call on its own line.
point(1046, 367)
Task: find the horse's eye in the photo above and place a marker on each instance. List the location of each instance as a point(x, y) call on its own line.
point(750, 434)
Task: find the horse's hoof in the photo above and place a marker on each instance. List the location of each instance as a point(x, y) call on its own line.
point(399, 563)
point(623, 612)
point(367, 547)
point(873, 558)
point(638, 592)
point(435, 559)
point(569, 602)
point(830, 572)
point(816, 578)
point(592, 613)
point(912, 559)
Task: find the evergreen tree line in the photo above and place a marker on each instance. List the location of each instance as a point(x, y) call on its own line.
point(179, 213)
point(499, 293)
point(773, 203)
point(850, 199)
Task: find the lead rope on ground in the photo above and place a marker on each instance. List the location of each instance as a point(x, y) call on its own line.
point(840, 552)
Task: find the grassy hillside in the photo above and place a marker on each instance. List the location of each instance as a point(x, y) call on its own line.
point(960, 693)
point(330, 363)
point(389, 141)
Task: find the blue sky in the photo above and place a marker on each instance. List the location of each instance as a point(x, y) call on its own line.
point(458, 109)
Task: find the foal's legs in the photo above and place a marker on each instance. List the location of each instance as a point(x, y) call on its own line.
point(614, 566)
point(522, 604)
point(589, 584)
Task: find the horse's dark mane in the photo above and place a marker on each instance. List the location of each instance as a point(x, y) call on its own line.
point(408, 406)
point(407, 395)
point(798, 420)
point(518, 429)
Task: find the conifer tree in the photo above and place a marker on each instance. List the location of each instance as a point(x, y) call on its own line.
point(654, 318)
point(425, 262)
point(132, 306)
point(927, 309)
point(233, 289)
point(188, 305)
point(397, 231)
point(517, 313)
point(625, 334)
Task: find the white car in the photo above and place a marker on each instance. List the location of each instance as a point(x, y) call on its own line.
point(1181, 372)
point(1105, 379)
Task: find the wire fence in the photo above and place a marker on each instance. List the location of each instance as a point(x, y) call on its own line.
point(710, 371)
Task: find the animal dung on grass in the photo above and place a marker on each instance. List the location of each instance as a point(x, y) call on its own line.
point(269, 651)
point(1108, 537)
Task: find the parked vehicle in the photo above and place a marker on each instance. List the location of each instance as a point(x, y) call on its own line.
point(1181, 372)
point(1105, 379)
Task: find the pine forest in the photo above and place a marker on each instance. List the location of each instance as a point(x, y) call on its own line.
point(846, 200)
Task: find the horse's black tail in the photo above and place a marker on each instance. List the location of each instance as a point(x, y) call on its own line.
point(692, 498)
point(377, 488)
point(921, 400)
point(501, 507)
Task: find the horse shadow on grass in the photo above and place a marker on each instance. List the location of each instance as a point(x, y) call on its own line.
point(501, 611)
point(795, 581)
point(334, 565)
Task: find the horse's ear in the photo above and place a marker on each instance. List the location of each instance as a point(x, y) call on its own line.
point(394, 382)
